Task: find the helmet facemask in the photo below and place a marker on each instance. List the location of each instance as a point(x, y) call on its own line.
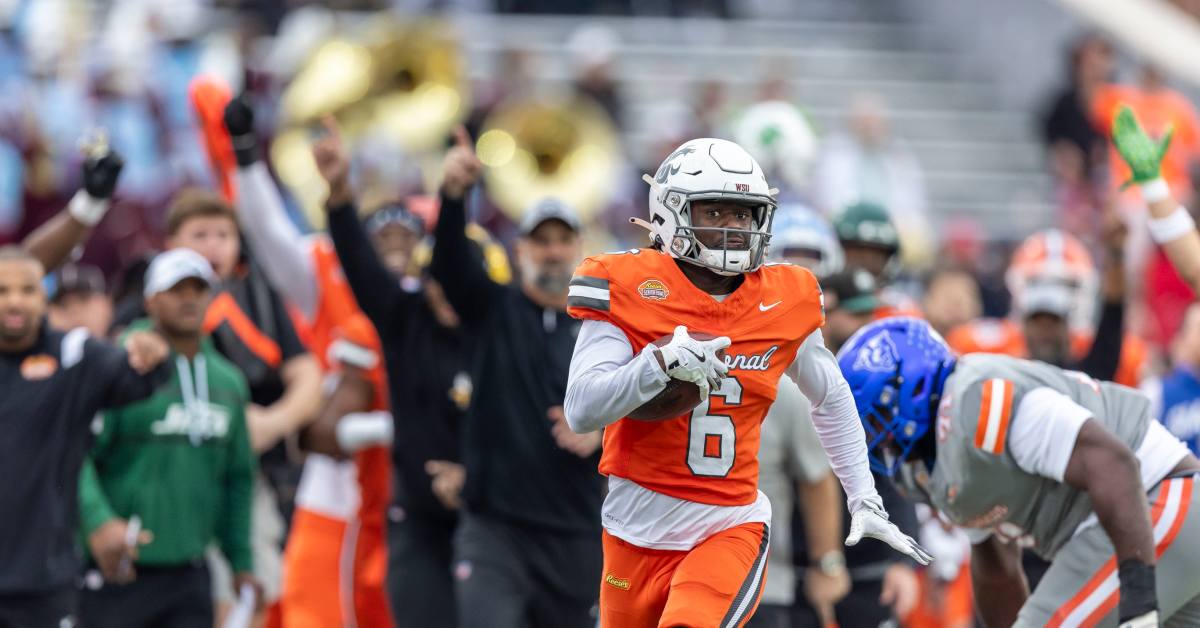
point(684, 241)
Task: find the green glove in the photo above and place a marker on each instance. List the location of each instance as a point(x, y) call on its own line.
point(1143, 154)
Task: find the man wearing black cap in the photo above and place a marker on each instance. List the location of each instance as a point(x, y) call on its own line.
point(424, 350)
point(528, 547)
point(78, 298)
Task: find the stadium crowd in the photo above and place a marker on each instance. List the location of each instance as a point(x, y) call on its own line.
point(350, 411)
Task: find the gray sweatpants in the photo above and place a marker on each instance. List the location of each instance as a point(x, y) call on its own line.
point(1081, 585)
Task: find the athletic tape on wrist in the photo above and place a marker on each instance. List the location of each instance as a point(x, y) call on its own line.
point(1156, 190)
point(1138, 595)
point(1172, 226)
point(86, 209)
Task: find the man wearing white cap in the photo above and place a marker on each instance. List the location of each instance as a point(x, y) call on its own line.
point(177, 466)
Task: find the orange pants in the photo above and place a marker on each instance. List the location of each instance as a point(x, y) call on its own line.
point(717, 583)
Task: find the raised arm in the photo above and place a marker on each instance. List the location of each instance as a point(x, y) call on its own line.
point(375, 288)
point(271, 233)
point(456, 265)
point(1103, 358)
point(1171, 225)
point(53, 241)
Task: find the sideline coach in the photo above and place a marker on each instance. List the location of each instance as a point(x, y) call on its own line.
point(51, 385)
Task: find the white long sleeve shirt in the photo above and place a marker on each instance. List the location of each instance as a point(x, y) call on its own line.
point(274, 238)
point(607, 381)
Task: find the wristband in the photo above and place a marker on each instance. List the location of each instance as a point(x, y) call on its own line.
point(86, 209)
point(358, 430)
point(1172, 226)
point(1156, 190)
point(1138, 595)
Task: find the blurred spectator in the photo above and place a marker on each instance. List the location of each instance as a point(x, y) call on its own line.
point(951, 299)
point(527, 550)
point(176, 466)
point(54, 383)
point(865, 163)
point(593, 51)
point(883, 583)
point(1176, 395)
point(851, 300)
point(946, 598)
point(79, 299)
point(251, 327)
point(868, 237)
point(413, 319)
point(791, 464)
point(801, 236)
point(345, 486)
point(1075, 144)
point(870, 241)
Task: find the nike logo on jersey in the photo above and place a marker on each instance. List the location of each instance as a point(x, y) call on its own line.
point(764, 308)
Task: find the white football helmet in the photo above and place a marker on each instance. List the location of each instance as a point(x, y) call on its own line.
point(799, 228)
point(702, 170)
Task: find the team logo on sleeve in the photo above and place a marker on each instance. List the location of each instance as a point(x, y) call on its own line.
point(654, 290)
point(878, 355)
point(38, 367)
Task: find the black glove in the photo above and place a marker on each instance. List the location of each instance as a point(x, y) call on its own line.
point(239, 121)
point(100, 173)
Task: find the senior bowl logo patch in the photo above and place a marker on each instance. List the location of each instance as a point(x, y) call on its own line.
point(878, 355)
point(37, 367)
point(654, 290)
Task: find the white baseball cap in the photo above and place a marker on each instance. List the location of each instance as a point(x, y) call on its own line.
point(169, 268)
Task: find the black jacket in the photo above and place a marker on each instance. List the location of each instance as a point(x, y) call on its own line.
point(426, 365)
point(50, 395)
point(519, 366)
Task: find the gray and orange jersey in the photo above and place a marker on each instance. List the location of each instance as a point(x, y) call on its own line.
point(977, 483)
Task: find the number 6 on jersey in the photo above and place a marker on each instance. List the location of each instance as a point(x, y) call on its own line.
point(712, 437)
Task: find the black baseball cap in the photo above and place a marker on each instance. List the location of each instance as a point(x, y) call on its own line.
point(76, 279)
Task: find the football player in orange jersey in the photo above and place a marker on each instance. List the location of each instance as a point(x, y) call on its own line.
point(344, 526)
point(341, 497)
point(686, 530)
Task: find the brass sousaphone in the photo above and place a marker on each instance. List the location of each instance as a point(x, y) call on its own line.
point(403, 83)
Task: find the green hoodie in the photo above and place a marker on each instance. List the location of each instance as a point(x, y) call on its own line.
point(188, 475)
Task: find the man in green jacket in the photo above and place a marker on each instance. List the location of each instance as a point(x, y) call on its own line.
point(176, 466)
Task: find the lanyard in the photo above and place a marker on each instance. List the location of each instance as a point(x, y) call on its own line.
point(195, 398)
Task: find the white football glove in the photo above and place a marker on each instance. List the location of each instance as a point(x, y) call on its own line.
point(695, 361)
point(1146, 620)
point(872, 520)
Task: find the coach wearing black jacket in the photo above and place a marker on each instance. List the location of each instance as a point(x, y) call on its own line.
point(51, 386)
point(527, 548)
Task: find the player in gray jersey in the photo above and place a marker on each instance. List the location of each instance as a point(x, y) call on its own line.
point(1024, 454)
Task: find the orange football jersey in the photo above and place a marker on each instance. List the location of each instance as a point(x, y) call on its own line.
point(710, 455)
point(335, 302)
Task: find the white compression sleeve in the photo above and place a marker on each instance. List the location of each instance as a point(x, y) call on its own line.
point(275, 238)
point(835, 418)
point(606, 381)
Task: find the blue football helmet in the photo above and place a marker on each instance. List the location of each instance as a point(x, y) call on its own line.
point(896, 368)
